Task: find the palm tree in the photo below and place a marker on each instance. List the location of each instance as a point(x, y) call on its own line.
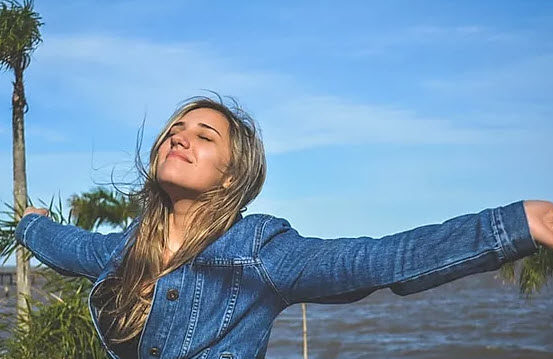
point(63, 308)
point(19, 37)
point(97, 206)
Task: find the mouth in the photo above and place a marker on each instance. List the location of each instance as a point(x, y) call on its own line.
point(180, 156)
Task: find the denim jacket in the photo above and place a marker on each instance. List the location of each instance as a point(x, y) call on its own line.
point(223, 304)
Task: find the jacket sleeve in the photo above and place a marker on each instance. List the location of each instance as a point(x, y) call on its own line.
point(68, 249)
point(344, 270)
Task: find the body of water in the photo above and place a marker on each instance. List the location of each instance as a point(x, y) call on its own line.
point(473, 317)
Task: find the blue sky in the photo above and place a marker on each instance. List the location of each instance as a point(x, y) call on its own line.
point(377, 117)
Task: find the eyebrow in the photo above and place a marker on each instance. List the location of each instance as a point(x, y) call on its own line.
point(201, 124)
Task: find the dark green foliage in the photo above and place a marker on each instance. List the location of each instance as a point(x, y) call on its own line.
point(534, 271)
point(59, 325)
point(93, 208)
point(19, 34)
point(8, 223)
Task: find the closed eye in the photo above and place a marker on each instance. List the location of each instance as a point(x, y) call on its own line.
point(169, 134)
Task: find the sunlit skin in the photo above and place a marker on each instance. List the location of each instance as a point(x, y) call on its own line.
point(207, 154)
point(191, 160)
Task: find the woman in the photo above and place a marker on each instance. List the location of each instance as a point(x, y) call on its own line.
point(192, 278)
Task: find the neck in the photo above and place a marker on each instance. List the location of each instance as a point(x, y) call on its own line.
point(179, 214)
point(183, 203)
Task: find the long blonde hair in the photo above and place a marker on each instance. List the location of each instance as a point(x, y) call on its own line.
point(130, 292)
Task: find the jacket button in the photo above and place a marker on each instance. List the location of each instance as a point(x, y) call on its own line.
point(154, 351)
point(172, 294)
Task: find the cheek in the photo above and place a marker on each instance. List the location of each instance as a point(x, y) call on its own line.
point(164, 148)
point(161, 153)
point(213, 159)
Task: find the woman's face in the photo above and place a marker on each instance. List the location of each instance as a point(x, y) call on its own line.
point(194, 154)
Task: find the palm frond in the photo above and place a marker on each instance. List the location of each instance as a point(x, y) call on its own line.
point(98, 206)
point(19, 34)
point(9, 221)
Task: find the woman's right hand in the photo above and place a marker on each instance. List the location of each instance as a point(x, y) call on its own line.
point(41, 211)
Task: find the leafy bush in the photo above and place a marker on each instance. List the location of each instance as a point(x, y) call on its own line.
point(58, 327)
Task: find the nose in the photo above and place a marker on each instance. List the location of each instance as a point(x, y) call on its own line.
point(180, 138)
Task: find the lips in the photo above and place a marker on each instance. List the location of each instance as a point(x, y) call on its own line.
point(180, 155)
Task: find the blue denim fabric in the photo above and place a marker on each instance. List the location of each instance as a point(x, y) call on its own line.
point(222, 305)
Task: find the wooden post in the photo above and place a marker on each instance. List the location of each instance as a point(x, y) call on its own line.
point(304, 316)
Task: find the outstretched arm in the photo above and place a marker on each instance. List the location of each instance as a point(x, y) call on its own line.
point(342, 270)
point(68, 249)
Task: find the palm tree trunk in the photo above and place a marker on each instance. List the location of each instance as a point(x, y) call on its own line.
point(20, 186)
point(304, 320)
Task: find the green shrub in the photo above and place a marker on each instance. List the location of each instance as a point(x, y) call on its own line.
point(59, 325)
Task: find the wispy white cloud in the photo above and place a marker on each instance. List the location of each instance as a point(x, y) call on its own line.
point(433, 35)
point(432, 32)
point(311, 121)
point(127, 76)
point(50, 172)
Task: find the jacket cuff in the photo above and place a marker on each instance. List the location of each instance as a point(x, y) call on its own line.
point(510, 227)
point(23, 225)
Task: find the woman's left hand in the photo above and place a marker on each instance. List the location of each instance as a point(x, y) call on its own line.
point(540, 221)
